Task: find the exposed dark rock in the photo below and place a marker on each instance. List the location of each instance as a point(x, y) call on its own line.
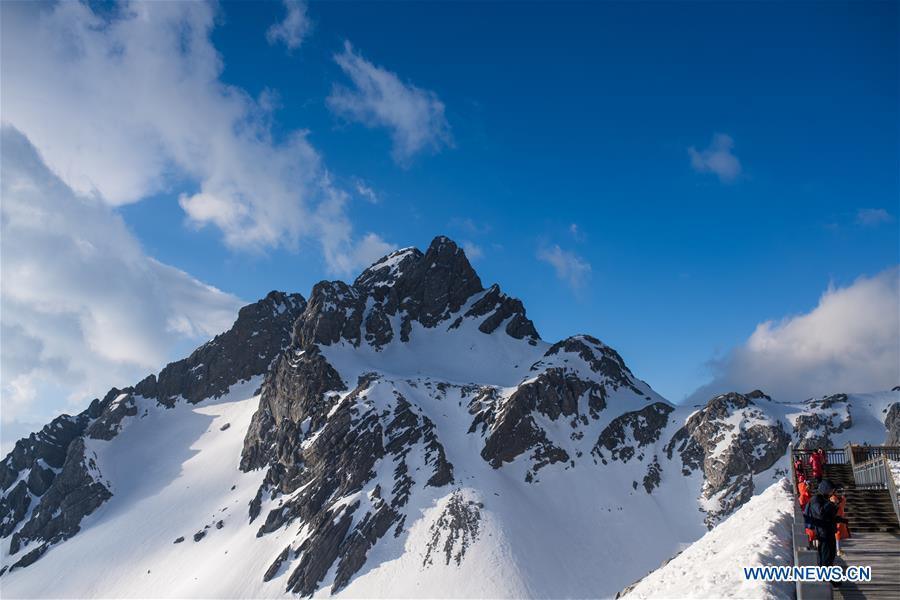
point(295, 390)
point(454, 531)
point(200, 535)
point(428, 288)
point(353, 551)
point(118, 404)
point(729, 454)
point(824, 417)
point(39, 479)
point(14, 507)
point(499, 307)
point(29, 557)
point(319, 551)
point(73, 494)
point(652, 478)
point(632, 431)
point(178, 540)
point(892, 424)
point(601, 359)
point(258, 335)
point(220, 524)
point(275, 567)
point(225, 426)
point(513, 430)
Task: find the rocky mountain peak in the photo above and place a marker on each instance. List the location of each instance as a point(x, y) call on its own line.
point(383, 273)
point(405, 288)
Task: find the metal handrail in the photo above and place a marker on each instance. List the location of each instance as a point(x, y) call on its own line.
point(892, 488)
point(864, 453)
point(833, 456)
point(871, 474)
point(876, 474)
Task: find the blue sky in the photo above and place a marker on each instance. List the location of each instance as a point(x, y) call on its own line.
point(665, 176)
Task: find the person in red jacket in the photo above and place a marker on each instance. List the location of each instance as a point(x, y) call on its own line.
point(802, 491)
point(843, 532)
point(817, 464)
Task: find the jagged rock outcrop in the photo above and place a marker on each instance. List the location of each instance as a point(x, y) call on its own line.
point(51, 480)
point(573, 380)
point(258, 335)
point(454, 531)
point(892, 424)
point(629, 433)
point(730, 439)
point(76, 492)
point(408, 287)
point(326, 460)
point(822, 418)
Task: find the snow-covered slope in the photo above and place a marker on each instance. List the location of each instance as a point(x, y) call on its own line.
point(406, 435)
point(757, 534)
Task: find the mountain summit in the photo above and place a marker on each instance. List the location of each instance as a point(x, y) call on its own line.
point(409, 434)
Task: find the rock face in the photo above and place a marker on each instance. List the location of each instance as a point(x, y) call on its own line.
point(571, 382)
point(629, 433)
point(730, 439)
point(260, 332)
point(892, 424)
point(51, 480)
point(822, 418)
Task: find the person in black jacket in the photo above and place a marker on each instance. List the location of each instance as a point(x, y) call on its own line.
point(822, 513)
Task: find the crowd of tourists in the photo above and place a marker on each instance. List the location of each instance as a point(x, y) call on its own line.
point(823, 506)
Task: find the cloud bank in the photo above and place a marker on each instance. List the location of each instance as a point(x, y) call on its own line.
point(850, 342)
point(129, 103)
point(414, 117)
point(82, 307)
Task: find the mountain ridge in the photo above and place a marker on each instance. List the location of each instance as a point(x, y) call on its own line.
point(412, 418)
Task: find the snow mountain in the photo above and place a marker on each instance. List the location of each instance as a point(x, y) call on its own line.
point(409, 434)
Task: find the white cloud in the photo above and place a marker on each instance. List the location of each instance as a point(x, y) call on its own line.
point(295, 26)
point(569, 267)
point(871, 217)
point(414, 117)
point(365, 191)
point(473, 251)
point(83, 307)
point(130, 104)
point(577, 232)
point(850, 342)
point(717, 158)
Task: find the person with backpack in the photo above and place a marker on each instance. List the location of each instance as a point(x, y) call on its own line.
point(823, 517)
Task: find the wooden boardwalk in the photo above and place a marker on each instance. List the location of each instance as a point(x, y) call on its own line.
point(879, 550)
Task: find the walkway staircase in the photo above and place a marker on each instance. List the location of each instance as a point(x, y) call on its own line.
point(874, 531)
point(869, 510)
